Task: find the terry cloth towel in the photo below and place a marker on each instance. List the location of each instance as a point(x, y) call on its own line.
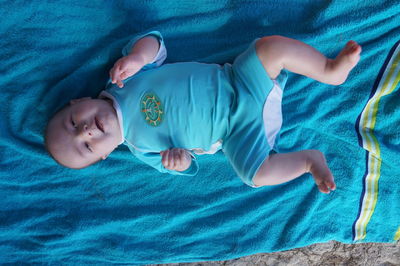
point(122, 211)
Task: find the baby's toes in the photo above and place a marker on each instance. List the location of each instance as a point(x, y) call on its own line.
point(353, 50)
point(323, 187)
point(331, 184)
point(351, 45)
point(326, 184)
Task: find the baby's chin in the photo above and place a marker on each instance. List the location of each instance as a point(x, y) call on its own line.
point(110, 122)
point(86, 165)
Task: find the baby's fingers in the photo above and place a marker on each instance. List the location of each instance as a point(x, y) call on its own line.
point(120, 83)
point(173, 159)
point(168, 159)
point(114, 76)
point(165, 158)
point(120, 79)
point(114, 72)
point(178, 159)
point(125, 75)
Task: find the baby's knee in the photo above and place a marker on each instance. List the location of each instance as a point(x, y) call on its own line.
point(269, 42)
point(277, 47)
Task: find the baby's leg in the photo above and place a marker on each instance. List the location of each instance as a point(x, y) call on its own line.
point(277, 53)
point(283, 167)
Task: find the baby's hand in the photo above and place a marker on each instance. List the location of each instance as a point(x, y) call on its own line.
point(125, 67)
point(320, 171)
point(176, 159)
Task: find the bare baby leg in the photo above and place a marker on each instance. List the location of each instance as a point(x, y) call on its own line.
point(283, 167)
point(277, 53)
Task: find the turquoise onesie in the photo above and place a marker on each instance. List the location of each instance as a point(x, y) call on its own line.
point(196, 106)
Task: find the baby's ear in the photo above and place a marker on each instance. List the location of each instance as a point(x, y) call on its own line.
point(74, 101)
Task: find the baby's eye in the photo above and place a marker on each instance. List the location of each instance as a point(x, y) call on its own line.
point(88, 147)
point(73, 123)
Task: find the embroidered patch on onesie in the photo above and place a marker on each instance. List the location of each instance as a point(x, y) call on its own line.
point(152, 109)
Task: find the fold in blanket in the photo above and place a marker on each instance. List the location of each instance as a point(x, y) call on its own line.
point(122, 211)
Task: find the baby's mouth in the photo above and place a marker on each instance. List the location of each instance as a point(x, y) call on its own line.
point(99, 124)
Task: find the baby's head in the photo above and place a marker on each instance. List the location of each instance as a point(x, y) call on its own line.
point(82, 133)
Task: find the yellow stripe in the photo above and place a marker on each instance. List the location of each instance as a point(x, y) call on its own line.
point(373, 196)
point(370, 195)
point(397, 235)
point(360, 234)
point(373, 103)
point(372, 145)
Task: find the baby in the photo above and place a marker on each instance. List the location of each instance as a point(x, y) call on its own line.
point(166, 114)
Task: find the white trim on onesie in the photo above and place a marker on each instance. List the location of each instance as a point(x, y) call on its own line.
point(117, 108)
point(272, 114)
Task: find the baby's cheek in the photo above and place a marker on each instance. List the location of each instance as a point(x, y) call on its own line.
point(105, 146)
point(111, 143)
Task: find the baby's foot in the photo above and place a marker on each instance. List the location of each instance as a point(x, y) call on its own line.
point(320, 171)
point(347, 59)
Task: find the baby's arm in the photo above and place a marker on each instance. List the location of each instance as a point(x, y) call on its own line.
point(142, 53)
point(283, 167)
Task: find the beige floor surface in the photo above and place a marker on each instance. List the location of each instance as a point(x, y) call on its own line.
point(325, 254)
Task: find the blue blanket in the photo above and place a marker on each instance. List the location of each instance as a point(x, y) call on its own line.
point(122, 211)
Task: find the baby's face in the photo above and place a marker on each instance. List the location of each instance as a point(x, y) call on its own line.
point(84, 132)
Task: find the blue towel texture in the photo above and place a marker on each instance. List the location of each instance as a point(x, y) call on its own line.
point(122, 211)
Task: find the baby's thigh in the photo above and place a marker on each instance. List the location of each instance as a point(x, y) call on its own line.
point(246, 150)
point(269, 52)
point(250, 76)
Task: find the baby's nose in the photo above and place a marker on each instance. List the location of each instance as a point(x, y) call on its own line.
point(85, 131)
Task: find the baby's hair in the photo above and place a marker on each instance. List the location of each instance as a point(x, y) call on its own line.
point(46, 144)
